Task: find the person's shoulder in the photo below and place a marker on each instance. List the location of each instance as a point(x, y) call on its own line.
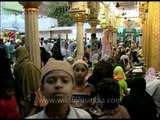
point(33, 116)
point(82, 113)
point(40, 115)
point(122, 108)
point(89, 85)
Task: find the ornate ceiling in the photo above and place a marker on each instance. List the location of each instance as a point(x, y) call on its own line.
point(125, 8)
point(128, 5)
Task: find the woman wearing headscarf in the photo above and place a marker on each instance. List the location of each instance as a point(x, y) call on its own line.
point(44, 55)
point(120, 76)
point(106, 42)
point(27, 76)
point(139, 103)
point(63, 48)
point(71, 48)
point(153, 87)
point(56, 51)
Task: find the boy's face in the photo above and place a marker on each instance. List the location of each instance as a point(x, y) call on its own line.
point(57, 85)
point(80, 72)
point(85, 59)
point(9, 92)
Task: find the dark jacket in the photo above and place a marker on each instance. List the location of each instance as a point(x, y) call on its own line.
point(139, 103)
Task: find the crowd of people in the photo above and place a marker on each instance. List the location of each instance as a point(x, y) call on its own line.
point(94, 87)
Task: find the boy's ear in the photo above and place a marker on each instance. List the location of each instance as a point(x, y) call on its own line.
point(73, 87)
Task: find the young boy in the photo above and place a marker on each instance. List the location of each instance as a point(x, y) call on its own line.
point(84, 93)
point(57, 87)
point(8, 105)
point(108, 92)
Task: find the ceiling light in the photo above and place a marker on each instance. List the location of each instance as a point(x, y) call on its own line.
point(117, 5)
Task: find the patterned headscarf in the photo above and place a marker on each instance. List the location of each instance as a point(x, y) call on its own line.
point(119, 74)
point(150, 74)
point(151, 81)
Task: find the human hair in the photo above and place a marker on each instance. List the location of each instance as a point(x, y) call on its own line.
point(42, 38)
point(138, 84)
point(44, 55)
point(103, 69)
point(5, 68)
point(122, 64)
point(6, 83)
point(86, 55)
point(1, 40)
point(88, 46)
point(127, 50)
point(108, 91)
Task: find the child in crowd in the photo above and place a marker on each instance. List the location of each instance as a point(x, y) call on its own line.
point(57, 85)
point(102, 69)
point(8, 104)
point(108, 92)
point(84, 93)
point(39, 103)
point(86, 58)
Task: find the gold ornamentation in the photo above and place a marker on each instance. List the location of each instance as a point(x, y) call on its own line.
point(154, 38)
point(93, 22)
point(79, 17)
point(31, 10)
point(93, 6)
point(30, 4)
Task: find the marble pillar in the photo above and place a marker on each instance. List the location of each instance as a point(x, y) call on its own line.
point(80, 44)
point(31, 31)
point(79, 18)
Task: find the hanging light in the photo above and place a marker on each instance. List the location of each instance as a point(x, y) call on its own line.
point(117, 5)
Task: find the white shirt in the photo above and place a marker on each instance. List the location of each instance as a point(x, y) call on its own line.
point(48, 47)
point(74, 113)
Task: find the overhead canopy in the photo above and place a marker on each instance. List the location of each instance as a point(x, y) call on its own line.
point(10, 28)
point(12, 23)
